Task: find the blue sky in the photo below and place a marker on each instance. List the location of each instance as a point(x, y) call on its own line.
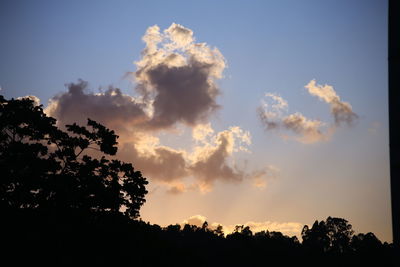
point(269, 46)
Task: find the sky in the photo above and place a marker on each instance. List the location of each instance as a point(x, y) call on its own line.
point(271, 114)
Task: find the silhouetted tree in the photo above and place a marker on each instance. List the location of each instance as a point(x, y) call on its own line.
point(49, 170)
point(340, 233)
point(219, 231)
point(316, 238)
point(365, 243)
point(334, 235)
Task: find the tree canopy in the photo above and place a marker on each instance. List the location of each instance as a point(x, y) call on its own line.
point(59, 171)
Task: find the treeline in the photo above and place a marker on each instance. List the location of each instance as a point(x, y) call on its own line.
point(114, 240)
point(63, 205)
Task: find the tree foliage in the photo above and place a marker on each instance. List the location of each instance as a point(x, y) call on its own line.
point(53, 171)
point(334, 235)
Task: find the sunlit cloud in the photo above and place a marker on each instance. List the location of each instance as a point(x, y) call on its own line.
point(341, 111)
point(35, 99)
point(175, 87)
point(175, 83)
point(287, 228)
point(262, 177)
point(273, 114)
point(308, 131)
point(176, 77)
point(177, 188)
point(271, 110)
point(197, 220)
point(210, 160)
point(202, 133)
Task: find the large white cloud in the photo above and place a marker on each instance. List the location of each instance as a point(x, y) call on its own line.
point(175, 85)
point(176, 76)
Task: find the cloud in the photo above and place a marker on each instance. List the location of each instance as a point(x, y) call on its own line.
point(261, 177)
point(202, 132)
point(210, 161)
point(179, 35)
point(176, 189)
point(112, 108)
point(35, 99)
point(273, 109)
point(309, 131)
point(176, 76)
point(160, 163)
point(175, 85)
point(287, 228)
point(197, 220)
point(341, 111)
point(272, 114)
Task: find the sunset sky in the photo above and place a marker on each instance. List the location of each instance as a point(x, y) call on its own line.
point(267, 113)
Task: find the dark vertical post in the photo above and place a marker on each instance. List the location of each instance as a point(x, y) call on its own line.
point(394, 118)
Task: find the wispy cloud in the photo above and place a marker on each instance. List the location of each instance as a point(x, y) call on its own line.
point(341, 111)
point(273, 114)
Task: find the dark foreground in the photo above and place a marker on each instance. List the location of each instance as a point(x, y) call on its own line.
point(115, 241)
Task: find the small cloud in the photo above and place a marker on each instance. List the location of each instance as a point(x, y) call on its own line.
point(341, 111)
point(176, 189)
point(197, 220)
point(286, 228)
point(273, 108)
point(272, 114)
point(309, 131)
point(260, 178)
point(35, 99)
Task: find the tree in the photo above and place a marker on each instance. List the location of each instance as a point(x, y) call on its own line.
point(316, 238)
point(219, 231)
point(340, 233)
point(365, 243)
point(333, 235)
point(52, 171)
